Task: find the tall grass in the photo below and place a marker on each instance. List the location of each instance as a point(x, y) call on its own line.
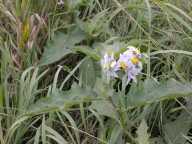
point(51, 87)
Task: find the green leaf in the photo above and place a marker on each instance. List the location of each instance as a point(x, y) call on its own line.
point(116, 135)
point(73, 124)
point(55, 49)
point(104, 108)
point(87, 73)
point(75, 36)
point(37, 136)
point(179, 19)
point(174, 131)
point(61, 100)
point(142, 135)
point(151, 91)
point(1, 95)
point(61, 45)
point(52, 134)
point(88, 51)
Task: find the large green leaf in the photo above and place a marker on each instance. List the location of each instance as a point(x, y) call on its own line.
point(174, 131)
point(61, 45)
point(61, 100)
point(151, 91)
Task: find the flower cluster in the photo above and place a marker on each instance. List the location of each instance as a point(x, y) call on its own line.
point(109, 65)
point(129, 62)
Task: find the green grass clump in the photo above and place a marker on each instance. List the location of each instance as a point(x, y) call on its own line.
point(51, 85)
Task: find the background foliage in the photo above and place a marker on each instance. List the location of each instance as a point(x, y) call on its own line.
point(51, 87)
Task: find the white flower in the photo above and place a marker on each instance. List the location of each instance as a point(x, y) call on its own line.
point(108, 64)
point(130, 63)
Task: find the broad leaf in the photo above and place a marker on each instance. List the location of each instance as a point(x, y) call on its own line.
point(62, 100)
point(174, 131)
point(61, 45)
point(151, 91)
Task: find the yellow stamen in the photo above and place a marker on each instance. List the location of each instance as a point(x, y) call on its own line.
point(123, 65)
point(135, 60)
